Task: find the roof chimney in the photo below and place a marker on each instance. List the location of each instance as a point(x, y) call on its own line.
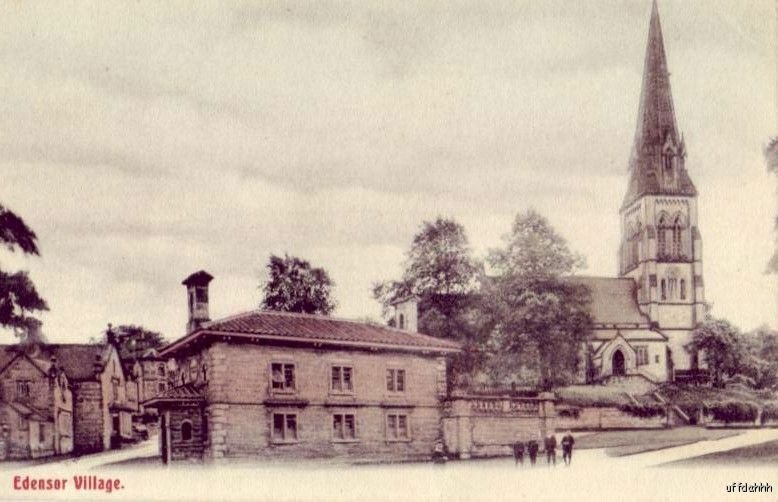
point(406, 314)
point(197, 294)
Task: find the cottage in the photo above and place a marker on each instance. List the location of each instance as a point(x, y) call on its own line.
point(102, 414)
point(36, 405)
point(269, 384)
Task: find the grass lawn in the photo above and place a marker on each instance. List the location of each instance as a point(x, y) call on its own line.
point(759, 454)
point(619, 443)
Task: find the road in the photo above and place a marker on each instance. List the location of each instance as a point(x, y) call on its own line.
point(592, 474)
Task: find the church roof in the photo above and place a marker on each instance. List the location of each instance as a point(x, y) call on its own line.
point(656, 123)
point(614, 301)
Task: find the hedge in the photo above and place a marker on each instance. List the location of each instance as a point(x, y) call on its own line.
point(770, 412)
point(643, 410)
point(734, 411)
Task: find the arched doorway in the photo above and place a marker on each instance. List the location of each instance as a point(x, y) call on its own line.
point(618, 363)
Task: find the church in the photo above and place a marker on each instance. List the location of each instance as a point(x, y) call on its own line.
point(645, 317)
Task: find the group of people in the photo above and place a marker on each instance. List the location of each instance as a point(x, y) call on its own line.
point(550, 445)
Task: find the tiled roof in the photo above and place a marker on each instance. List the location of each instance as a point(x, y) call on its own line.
point(77, 359)
point(613, 300)
point(315, 328)
point(182, 393)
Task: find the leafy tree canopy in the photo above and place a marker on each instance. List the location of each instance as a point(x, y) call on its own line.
point(18, 296)
point(540, 319)
point(293, 285)
point(134, 341)
point(439, 262)
point(720, 342)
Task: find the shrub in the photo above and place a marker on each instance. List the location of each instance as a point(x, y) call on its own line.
point(770, 412)
point(643, 410)
point(571, 412)
point(734, 411)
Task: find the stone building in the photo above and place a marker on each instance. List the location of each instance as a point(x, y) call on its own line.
point(102, 413)
point(36, 404)
point(268, 384)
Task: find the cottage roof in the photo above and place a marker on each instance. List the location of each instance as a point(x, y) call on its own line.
point(614, 301)
point(78, 359)
point(291, 327)
point(28, 411)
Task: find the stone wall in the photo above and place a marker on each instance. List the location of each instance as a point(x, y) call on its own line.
point(607, 418)
point(481, 426)
point(88, 417)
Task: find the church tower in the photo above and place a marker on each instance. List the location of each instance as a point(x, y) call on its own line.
point(661, 248)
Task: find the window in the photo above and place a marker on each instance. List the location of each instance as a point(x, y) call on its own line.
point(672, 292)
point(115, 389)
point(656, 358)
point(202, 294)
point(282, 376)
point(342, 379)
point(397, 427)
point(204, 428)
point(395, 380)
point(641, 354)
point(186, 430)
point(22, 423)
point(284, 427)
point(683, 289)
point(402, 322)
point(663, 288)
point(161, 387)
point(344, 427)
point(193, 370)
point(161, 370)
point(41, 433)
point(22, 389)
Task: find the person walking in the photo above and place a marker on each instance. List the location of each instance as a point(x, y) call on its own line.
point(518, 452)
point(567, 447)
point(551, 449)
point(532, 449)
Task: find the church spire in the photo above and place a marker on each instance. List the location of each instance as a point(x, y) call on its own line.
point(656, 116)
point(657, 145)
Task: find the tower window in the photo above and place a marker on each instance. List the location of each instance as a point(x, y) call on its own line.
point(663, 289)
point(402, 322)
point(683, 289)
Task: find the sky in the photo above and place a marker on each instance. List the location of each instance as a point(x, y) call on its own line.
point(143, 141)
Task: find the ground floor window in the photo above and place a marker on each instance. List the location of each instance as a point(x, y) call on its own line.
point(186, 430)
point(344, 427)
point(284, 427)
point(397, 427)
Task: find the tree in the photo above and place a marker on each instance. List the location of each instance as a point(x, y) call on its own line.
point(761, 349)
point(134, 341)
point(540, 320)
point(295, 286)
point(441, 272)
point(439, 262)
point(18, 296)
point(721, 346)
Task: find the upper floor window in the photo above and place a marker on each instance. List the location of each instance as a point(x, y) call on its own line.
point(395, 380)
point(115, 389)
point(193, 370)
point(161, 370)
point(161, 387)
point(23, 389)
point(282, 377)
point(341, 380)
